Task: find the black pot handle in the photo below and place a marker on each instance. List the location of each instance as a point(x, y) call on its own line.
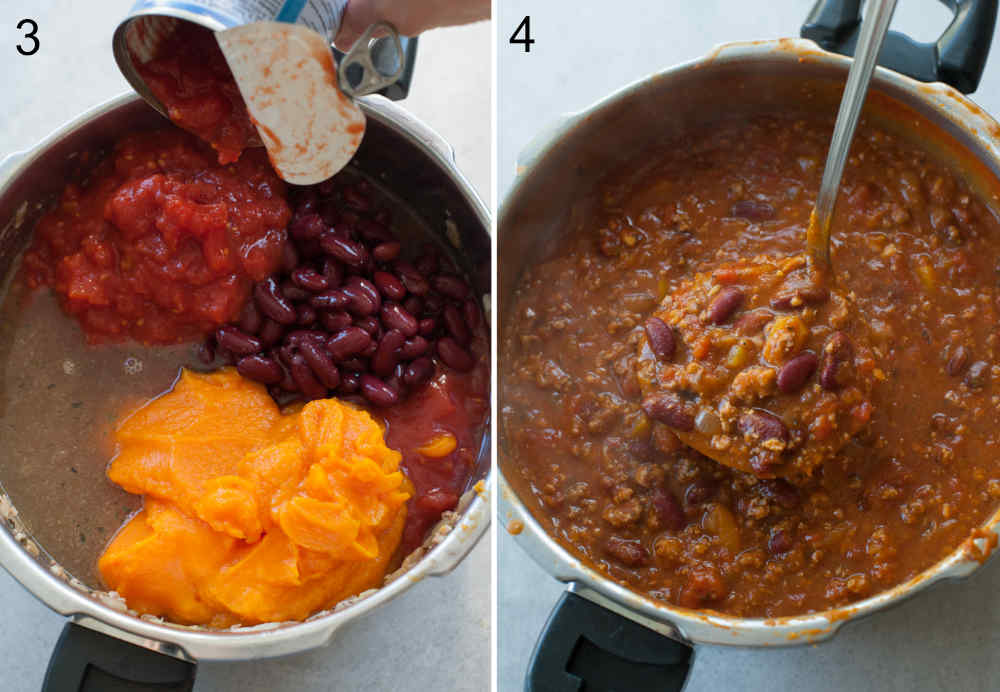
point(587, 647)
point(85, 660)
point(956, 58)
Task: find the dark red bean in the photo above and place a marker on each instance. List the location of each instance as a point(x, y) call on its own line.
point(724, 304)
point(473, 315)
point(347, 251)
point(762, 425)
point(374, 232)
point(250, 318)
point(321, 364)
point(387, 251)
point(272, 303)
point(414, 305)
point(427, 326)
point(378, 392)
point(394, 316)
point(412, 348)
point(307, 315)
point(800, 296)
point(385, 358)
point(702, 490)
point(307, 226)
point(334, 300)
point(350, 382)
point(782, 492)
point(355, 198)
point(329, 211)
point(335, 321)
point(310, 280)
point(334, 272)
point(428, 263)
point(455, 324)
point(287, 384)
point(451, 286)
point(669, 409)
point(418, 372)
point(300, 336)
point(356, 364)
point(412, 279)
point(796, 372)
point(433, 304)
point(454, 356)
point(289, 257)
point(629, 553)
point(305, 379)
point(390, 286)
point(237, 342)
point(752, 210)
point(752, 322)
point(206, 351)
point(370, 325)
point(293, 292)
point(660, 337)
point(957, 362)
point(348, 342)
point(271, 332)
point(260, 369)
point(364, 296)
point(373, 346)
point(668, 510)
point(779, 543)
point(835, 368)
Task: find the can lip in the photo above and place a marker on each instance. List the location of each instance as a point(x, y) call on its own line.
point(708, 627)
point(45, 579)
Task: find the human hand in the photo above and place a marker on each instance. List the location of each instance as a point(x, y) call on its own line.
point(410, 17)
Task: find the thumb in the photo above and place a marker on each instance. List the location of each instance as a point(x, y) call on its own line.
point(410, 17)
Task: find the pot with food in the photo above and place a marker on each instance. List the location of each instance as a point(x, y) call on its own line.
point(701, 438)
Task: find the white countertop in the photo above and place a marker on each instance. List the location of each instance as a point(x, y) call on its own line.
point(436, 635)
point(943, 639)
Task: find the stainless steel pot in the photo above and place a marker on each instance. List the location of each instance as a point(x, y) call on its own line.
point(419, 167)
point(560, 169)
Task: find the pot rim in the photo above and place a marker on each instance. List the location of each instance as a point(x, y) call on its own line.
point(709, 627)
point(444, 550)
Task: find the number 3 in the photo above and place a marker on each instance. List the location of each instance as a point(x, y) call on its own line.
point(31, 35)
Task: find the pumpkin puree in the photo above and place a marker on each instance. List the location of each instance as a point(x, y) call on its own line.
point(251, 515)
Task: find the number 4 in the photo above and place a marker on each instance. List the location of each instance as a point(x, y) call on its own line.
point(524, 26)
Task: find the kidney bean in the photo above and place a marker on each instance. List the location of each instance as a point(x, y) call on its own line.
point(957, 362)
point(629, 553)
point(394, 316)
point(304, 379)
point(335, 321)
point(260, 369)
point(272, 303)
point(752, 322)
point(473, 315)
point(206, 351)
point(455, 324)
point(702, 490)
point(289, 257)
point(763, 426)
point(310, 280)
point(385, 358)
point(978, 375)
point(307, 226)
point(271, 332)
point(238, 342)
point(454, 356)
point(378, 392)
point(335, 299)
point(389, 286)
point(427, 326)
point(800, 296)
point(433, 304)
point(334, 272)
point(369, 350)
point(781, 491)
point(356, 364)
point(414, 305)
point(451, 286)
point(368, 289)
point(349, 252)
point(293, 292)
point(752, 210)
point(428, 263)
point(418, 372)
point(350, 382)
point(322, 366)
point(668, 510)
point(370, 325)
point(835, 364)
point(669, 409)
point(307, 315)
point(250, 318)
point(417, 346)
point(387, 251)
point(412, 279)
point(287, 384)
point(348, 342)
point(375, 232)
point(660, 337)
point(779, 543)
point(355, 198)
point(796, 372)
point(724, 304)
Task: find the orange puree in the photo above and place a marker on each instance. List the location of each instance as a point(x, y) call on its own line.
point(251, 515)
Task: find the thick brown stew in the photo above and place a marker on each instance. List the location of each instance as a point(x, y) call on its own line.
point(862, 419)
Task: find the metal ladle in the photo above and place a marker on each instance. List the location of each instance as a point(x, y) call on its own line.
point(873, 30)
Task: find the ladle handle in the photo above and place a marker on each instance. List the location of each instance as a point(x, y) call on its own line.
point(585, 646)
point(85, 660)
point(873, 31)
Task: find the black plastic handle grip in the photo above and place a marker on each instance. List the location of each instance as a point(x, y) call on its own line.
point(956, 58)
point(85, 660)
point(587, 648)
